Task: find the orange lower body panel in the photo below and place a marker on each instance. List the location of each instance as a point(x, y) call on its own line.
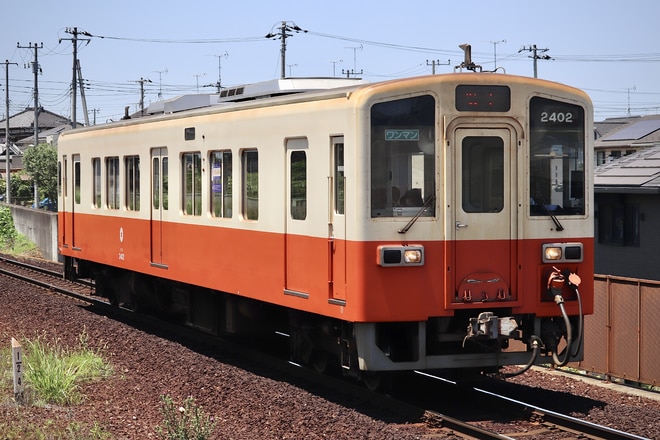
point(348, 285)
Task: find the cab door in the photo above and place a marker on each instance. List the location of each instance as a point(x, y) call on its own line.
point(485, 214)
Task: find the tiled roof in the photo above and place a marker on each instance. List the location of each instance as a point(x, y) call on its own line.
point(25, 119)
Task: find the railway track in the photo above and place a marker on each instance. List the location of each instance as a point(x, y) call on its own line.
point(524, 420)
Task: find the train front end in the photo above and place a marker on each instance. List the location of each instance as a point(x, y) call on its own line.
point(476, 249)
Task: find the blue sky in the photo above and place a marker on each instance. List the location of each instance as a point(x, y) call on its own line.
point(610, 49)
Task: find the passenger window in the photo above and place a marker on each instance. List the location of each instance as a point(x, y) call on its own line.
point(112, 182)
point(192, 183)
point(96, 186)
point(221, 184)
point(132, 164)
point(250, 165)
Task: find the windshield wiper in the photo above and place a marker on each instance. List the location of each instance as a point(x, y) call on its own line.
point(554, 218)
point(417, 215)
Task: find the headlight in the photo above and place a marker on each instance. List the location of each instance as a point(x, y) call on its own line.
point(412, 256)
point(552, 253)
point(400, 255)
point(562, 252)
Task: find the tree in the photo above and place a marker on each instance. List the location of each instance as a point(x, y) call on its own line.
point(41, 163)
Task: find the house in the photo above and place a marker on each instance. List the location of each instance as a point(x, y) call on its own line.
point(21, 126)
point(627, 208)
point(618, 137)
point(21, 134)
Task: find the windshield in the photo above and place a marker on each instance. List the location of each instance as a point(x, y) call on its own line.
point(556, 160)
point(403, 157)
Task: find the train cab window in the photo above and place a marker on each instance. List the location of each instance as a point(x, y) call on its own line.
point(132, 164)
point(192, 183)
point(76, 179)
point(112, 182)
point(556, 167)
point(403, 157)
point(250, 182)
point(221, 184)
point(96, 184)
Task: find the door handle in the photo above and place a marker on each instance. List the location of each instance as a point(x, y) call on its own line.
point(460, 225)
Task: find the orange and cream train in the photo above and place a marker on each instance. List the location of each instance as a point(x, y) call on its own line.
point(420, 223)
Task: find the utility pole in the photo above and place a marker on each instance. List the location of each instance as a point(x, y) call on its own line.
point(82, 95)
point(142, 81)
point(76, 66)
point(437, 63)
point(36, 70)
point(284, 28)
point(536, 57)
point(7, 150)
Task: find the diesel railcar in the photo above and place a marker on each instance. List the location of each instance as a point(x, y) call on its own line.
point(435, 222)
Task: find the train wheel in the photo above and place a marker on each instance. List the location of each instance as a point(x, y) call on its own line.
point(374, 381)
point(320, 361)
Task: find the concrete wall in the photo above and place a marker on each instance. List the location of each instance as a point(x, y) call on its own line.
point(39, 226)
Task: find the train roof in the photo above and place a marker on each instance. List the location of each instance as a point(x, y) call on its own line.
point(249, 92)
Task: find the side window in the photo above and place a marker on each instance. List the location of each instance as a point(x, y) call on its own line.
point(76, 178)
point(132, 164)
point(112, 182)
point(221, 183)
point(298, 191)
point(250, 168)
point(192, 183)
point(96, 184)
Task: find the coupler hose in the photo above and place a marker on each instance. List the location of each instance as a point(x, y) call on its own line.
point(569, 334)
point(536, 349)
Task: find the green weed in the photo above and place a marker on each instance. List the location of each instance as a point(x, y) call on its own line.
point(185, 422)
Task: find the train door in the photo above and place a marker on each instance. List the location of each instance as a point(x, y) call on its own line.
point(485, 213)
point(337, 224)
point(159, 204)
point(297, 238)
point(64, 217)
point(75, 196)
